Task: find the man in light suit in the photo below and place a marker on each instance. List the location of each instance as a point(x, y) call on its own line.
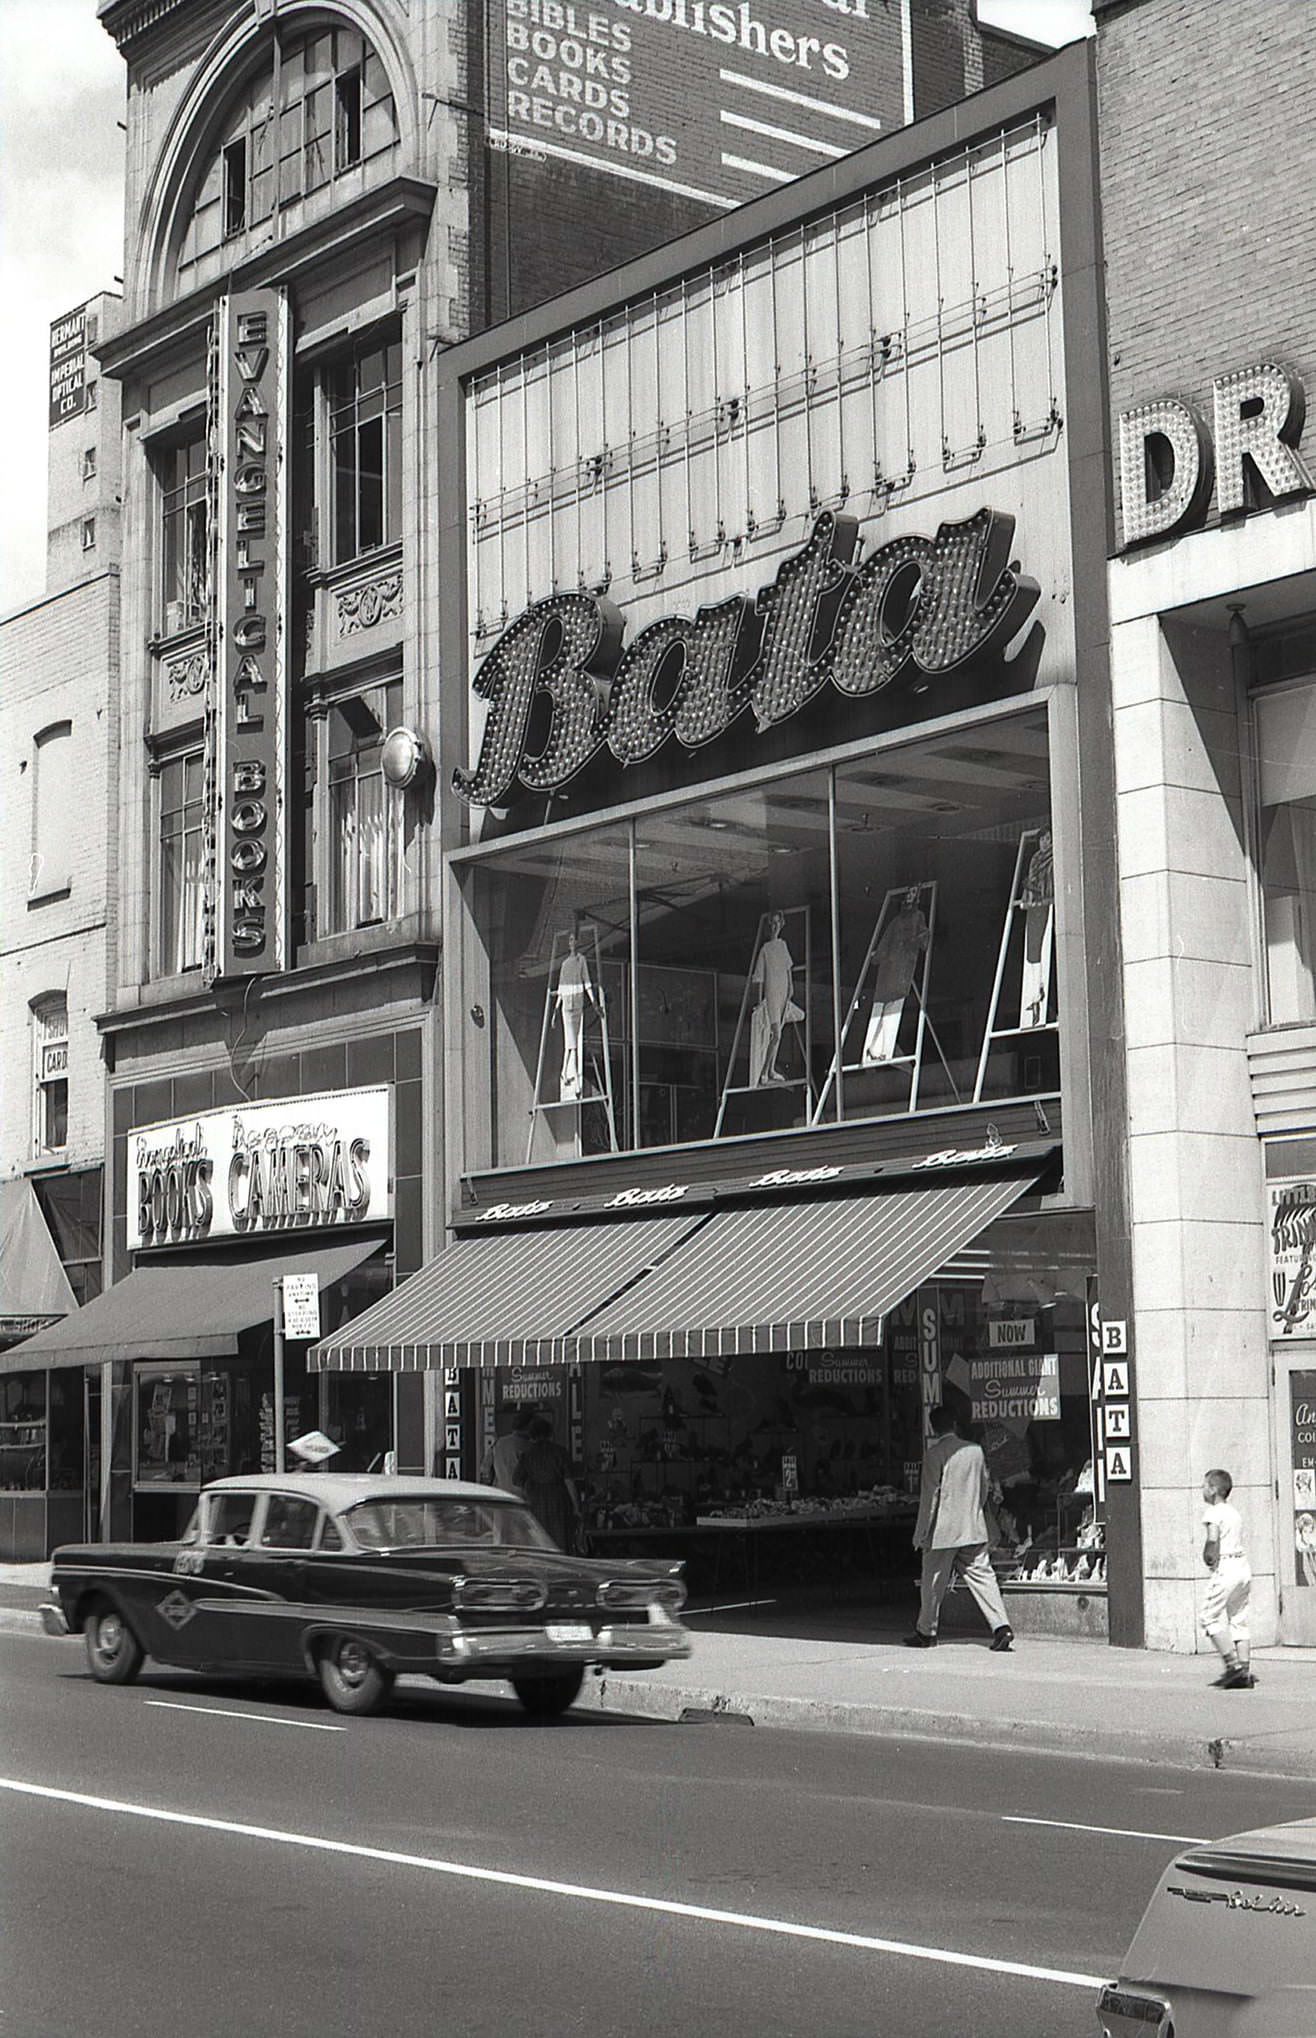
point(951, 1531)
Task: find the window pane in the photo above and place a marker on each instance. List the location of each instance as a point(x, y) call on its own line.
point(370, 498)
point(365, 815)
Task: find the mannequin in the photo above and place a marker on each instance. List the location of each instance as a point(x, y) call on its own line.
point(773, 969)
point(1037, 904)
point(896, 957)
point(575, 989)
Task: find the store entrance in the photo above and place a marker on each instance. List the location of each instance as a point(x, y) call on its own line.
point(1295, 1456)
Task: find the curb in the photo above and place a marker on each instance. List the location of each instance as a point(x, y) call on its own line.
point(698, 1705)
point(694, 1705)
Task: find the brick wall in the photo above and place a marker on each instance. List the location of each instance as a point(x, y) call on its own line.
point(58, 663)
point(1208, 158)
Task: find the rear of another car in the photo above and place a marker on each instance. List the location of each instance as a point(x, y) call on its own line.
point(1227, 1945)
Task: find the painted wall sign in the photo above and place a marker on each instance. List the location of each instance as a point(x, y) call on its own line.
point(68, 366)
point(710, 101)
point(925, 605)
point(1292, 1259)
point(309, 1163)
point(1170, 459)
point(248, 728)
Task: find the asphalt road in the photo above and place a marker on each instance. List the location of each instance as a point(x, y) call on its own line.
point(220, 1858)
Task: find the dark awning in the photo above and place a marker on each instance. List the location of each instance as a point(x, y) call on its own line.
point(782, 1277)
point(186, 1308)
point(509, 1299)
point(33, 1285)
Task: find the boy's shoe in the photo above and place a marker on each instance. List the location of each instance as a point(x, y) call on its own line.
point(1240, 1678)
point(1002, 1639)
point(918, 1640)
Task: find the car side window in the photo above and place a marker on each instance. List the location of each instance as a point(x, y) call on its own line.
point(289, 1523)
point(229, 1519)
point(331, 1536)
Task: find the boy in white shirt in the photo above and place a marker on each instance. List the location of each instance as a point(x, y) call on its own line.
point(1225, 1607)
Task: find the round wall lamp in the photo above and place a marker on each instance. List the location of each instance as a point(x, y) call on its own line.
point(404, 757)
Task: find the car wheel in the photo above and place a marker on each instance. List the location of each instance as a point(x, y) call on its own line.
point(350, 1678)
point(114, 1654)
point(544, 1698)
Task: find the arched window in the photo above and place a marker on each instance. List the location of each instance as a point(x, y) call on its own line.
point(316, 108)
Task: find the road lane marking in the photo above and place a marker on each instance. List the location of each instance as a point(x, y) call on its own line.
point(263, 1719)
point(1113, 1832)
point(506, 1879)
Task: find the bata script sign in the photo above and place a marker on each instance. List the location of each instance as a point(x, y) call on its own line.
point(312, 1163)
point(245, 932)
point(926, 605)
point(711, 101)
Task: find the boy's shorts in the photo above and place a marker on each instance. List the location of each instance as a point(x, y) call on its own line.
point(1227, 1599)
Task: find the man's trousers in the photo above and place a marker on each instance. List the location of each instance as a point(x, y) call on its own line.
point(969, 1562)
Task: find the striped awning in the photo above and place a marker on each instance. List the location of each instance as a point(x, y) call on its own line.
point(797, 1277)
point(507, 1299)
point(767, 1278)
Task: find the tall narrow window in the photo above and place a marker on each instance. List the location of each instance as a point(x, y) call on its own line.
point(1285, 729)
point(365, 813)
point(347, 118)
point(52, 810)
point(181, 890)
point(184, 536)
point(50, 1040)
point(235, 187)
point(89, 463)
point(89, 534)
point(365, 429)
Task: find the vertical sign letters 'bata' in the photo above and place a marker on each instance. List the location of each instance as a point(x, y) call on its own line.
point(251, 637)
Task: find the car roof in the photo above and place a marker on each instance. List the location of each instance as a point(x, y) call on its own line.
point(337, 1490)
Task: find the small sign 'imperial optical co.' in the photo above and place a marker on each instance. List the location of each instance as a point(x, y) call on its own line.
point(246, 731)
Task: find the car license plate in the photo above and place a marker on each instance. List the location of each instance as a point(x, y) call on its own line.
point(569, 1631)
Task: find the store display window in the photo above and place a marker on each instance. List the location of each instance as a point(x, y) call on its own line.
point(167, 1426)
point(23, 1433)
point(674, 978)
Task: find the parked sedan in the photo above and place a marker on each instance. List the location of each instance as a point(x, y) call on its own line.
point(1227, 1945)
point(353, 1580)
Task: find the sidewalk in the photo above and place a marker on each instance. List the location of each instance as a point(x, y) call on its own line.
point(1050, 1695)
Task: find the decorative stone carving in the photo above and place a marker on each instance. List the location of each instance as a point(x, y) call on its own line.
point(368, 603)
point(186, 676)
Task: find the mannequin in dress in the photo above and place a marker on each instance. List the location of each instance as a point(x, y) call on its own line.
point(773, 970)
point(896, 959)
point(1037, 904)
point(575, 990)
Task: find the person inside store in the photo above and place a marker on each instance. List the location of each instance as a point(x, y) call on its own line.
point(952, 1533)
point(501, 1462)
point(543, 1478)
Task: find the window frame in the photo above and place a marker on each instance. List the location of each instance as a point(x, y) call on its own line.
point(342, 420)
point(190, 750)
point(43, 1010)
point(48, 877)
point(328, 835)
point(186, 497)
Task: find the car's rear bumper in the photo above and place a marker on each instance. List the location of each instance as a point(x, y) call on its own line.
point(52, 1619)
point(480, 1650)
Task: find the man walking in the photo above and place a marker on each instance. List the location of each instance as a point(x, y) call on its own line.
point(951, 1531)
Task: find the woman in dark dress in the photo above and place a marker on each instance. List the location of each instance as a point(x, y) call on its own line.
point(543, 1476)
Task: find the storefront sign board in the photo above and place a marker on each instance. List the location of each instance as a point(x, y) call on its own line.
point(1023, 1386)
point(303, 1164)
point(1257, 416)
point(1118, 1464)
point(680, 95)
point(68, 366)
point(246, 733)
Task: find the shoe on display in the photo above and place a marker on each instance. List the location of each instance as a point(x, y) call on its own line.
point(918, 1640)
point(1002, 1639)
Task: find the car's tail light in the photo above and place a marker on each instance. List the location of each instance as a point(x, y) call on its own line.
point(499, 1595)
point(632, 1592)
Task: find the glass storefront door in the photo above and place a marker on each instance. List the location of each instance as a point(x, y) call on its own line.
point(1295, 1456)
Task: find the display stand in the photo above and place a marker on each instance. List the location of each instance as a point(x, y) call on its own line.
point(883, 1029)
point(1031, 911)
point(770, 1015)
point(573, 998)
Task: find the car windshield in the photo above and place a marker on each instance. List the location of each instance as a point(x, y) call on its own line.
point(421, 1522)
